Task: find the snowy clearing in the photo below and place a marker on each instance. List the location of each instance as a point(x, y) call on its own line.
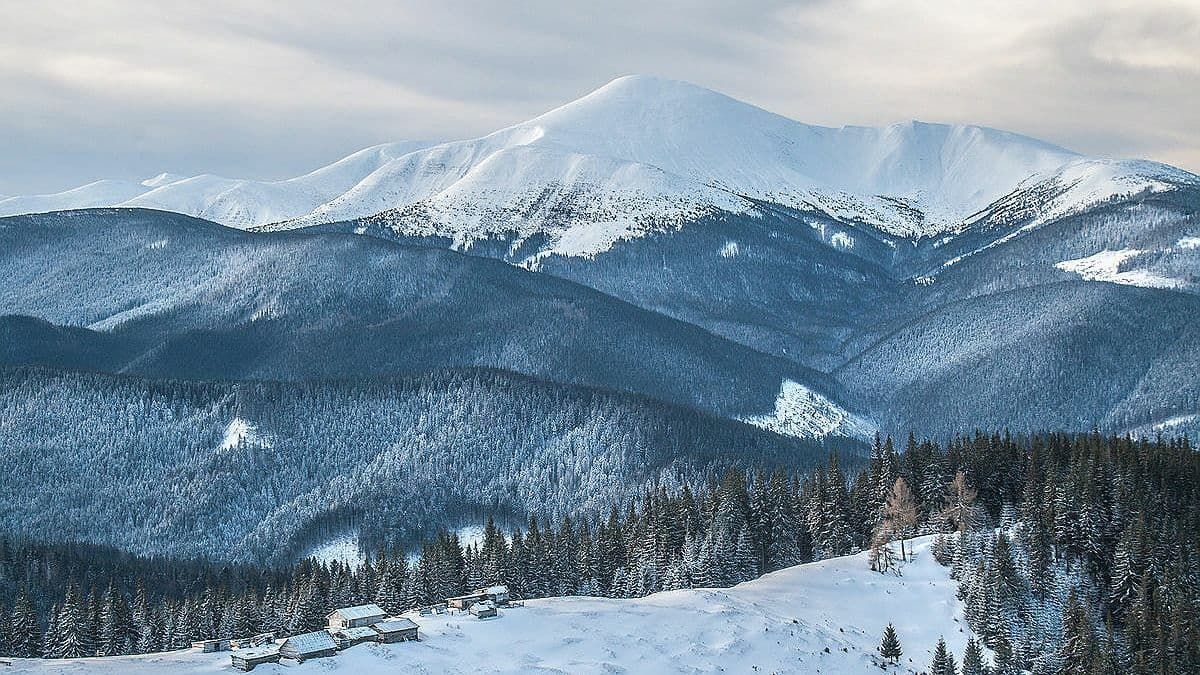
point(781, 623)
point(804, 413)
point(1106, 266)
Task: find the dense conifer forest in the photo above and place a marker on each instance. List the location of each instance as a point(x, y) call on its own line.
point(1074, 553)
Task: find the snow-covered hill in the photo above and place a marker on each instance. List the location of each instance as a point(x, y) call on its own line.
point(642, 154)
point(824, 617)
point(233, 202)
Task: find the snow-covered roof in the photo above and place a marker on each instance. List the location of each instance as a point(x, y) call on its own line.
point(356, 633)
point(394, 624)
point(494, 590)
point(358, 612)
point(311, 642)
point(257, 652)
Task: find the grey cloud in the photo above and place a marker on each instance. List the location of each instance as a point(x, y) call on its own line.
point(127, 89)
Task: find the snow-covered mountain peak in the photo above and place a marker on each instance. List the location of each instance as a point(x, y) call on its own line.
point(162, 179)
point(643, 154)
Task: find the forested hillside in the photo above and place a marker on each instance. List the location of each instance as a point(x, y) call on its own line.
point(259, 470)
point(164, 295)
point(1074, 553)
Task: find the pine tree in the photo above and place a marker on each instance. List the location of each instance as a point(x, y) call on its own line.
point(25, 639)
point(972, 661)
point(1078, 651)
point(889, 646)
point(943, 660)
point(71, 627)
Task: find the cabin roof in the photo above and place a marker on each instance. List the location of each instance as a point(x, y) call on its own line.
point(311, 642)
point(394, 624)
point(358, 612)
point(494, 590)
point(257, 652)
point(357, 633)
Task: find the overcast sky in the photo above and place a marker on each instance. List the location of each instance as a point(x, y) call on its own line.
point(128, 89)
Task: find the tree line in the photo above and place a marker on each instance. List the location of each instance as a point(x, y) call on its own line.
point(1074, 554)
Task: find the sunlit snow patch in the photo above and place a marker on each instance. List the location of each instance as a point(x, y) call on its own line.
point(803, 413)
point(729, 250)
point(1106, 266)
point(240, 432)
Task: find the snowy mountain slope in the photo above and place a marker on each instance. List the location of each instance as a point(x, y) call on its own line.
point(98, 194)
point(390, 459)
point(909, 179)
point(233, 202)
point(643, 154)
point(165, 295)
point(781, 623)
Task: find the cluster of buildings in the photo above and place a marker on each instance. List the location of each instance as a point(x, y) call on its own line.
point(345, 628)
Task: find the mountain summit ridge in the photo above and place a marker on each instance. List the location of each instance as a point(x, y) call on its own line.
point(637, 155)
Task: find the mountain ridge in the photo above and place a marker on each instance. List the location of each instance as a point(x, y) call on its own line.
point(638, 155)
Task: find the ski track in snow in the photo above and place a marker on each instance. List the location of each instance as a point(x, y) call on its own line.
point(781, 623)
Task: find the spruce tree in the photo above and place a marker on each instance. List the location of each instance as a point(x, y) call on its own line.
point(972, 661)
point(25, 639)
point(943, 660)
point(889, 646)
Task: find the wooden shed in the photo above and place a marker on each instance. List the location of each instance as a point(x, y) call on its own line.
point(246, 659)
point(308, 646)
point(484, 609)
point(465, 601)
point(354, 617)
point(396, 629)
point(212, 645)
point(259, 640)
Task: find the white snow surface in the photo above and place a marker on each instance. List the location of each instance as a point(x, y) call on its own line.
point(342, 548)
point(229, 201)
point(804, 413)
point(781, 623)
point(1106, 266)
point(644, 154)
point(240, 432)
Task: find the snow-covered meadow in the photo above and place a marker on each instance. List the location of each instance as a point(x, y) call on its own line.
point(824, 617)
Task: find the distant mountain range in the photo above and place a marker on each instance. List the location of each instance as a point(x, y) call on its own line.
point(745, 262)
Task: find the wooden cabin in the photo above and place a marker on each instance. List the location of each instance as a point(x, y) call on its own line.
point(253, 641)
point(485, 609)
point(308, 646)
point(345, 638)
point(395, 629)
point(497, 594)
point(246, 659)
point(354, 617)
point(212, 645)
point(465, 601)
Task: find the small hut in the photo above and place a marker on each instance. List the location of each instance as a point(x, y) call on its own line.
point(484, 609)
point(396, 629)
point(465, 601)
point(354, 617)
point(497, 594)
point(253, 641)
point(308, 646)
point(212, 645)
point(246, 659)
